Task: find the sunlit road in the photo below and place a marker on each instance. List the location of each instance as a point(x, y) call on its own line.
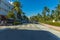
point(40, 27)
point(41, 31)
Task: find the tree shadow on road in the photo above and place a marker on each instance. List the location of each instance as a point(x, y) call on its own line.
point(10, 34)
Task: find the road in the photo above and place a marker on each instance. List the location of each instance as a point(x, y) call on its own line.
point(45, 31)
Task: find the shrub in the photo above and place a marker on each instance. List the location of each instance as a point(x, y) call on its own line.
point(17, 23)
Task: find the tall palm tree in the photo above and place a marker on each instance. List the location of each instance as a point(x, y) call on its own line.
point(25, 17)
point(46, 9)
point(48, 14)
point(58, 12)
point(59, 1)
point(11, 15)
point(17, 8)
point(52, 14)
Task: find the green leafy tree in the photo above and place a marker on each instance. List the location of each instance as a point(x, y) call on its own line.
point(11, 15)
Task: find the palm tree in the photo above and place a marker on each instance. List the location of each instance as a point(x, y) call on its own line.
point(11, 15)
point(25, 17)
point(17, 8)
point(57, 12)
point(59, 1)
point(46, 9)
point(52, 14)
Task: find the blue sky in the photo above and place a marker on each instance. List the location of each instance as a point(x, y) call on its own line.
point(32, 7)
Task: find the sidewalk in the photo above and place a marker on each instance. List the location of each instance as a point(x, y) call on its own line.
point(53, 27)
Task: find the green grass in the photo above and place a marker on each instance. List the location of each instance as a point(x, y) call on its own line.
point(52, 23)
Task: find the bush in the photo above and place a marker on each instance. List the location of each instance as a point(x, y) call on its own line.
point(53, 23)
point(17, 23)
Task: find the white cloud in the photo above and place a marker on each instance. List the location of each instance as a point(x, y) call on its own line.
point(11, 2)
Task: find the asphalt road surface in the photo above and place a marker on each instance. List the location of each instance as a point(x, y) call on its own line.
point(29, 32)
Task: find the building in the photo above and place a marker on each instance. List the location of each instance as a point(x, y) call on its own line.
point(5, 7)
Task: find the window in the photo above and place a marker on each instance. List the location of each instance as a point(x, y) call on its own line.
point(0, 1)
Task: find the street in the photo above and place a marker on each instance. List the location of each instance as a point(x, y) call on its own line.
point(31, 30)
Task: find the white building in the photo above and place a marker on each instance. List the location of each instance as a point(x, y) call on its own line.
point(5, 7)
